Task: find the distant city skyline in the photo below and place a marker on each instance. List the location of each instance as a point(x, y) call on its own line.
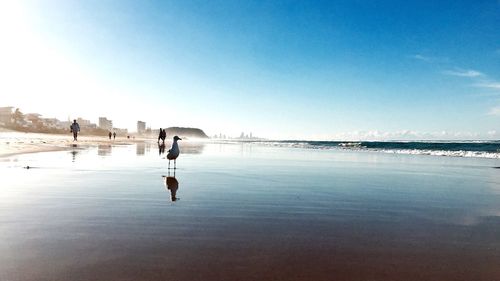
point(330, 70)
point(7, 119)
point(13, 118)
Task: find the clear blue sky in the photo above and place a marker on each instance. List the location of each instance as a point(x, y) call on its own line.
point(279, 69)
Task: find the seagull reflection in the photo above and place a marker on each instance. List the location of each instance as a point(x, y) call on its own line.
point(172, 184)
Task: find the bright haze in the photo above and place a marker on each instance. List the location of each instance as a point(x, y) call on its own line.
point(279, 69)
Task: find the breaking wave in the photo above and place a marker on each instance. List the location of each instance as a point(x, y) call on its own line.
point(479, 149)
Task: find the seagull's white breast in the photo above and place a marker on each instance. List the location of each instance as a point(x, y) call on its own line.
point(173, 153)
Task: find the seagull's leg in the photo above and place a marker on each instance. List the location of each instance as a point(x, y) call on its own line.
point(175, 164)
point(169, 164)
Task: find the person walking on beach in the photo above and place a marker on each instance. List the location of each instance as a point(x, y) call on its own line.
point(114, 135)
point(162, 135)
point(109, 134)
point(75, 128)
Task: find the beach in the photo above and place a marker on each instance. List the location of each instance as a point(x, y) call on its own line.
point(247, 212)
point(308, 140)
point(12, 143)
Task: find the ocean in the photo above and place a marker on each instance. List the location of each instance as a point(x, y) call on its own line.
point(484, 149)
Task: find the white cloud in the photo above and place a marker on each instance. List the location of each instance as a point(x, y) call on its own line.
point(495, 111)
point(422, 58)
point(429, 59)
point(463, 73)
point(489, 85)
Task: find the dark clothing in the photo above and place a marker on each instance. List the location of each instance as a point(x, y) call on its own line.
point(162, 135)
point(75, 128)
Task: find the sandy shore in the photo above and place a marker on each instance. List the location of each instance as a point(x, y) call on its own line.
point(247, 212)
point(12, 143)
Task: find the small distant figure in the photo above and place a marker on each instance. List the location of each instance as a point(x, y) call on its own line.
point(162, 135)
point(128, 137)
point(114, 135)
point(75, 129)
point(174, 152)
point(109, 134)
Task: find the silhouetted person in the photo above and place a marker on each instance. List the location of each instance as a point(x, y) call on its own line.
point(162, 135)
point(172, 184)
point(109, 135)
point(114, 135)
point(75, 129)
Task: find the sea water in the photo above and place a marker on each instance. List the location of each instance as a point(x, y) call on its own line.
point(476, 149)
point(247, 211)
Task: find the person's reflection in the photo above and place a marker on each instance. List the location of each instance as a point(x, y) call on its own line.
point(161, 148)
point(73, 155)
point(172, 184)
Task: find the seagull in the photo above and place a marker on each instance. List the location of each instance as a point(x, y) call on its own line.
point(173, 152)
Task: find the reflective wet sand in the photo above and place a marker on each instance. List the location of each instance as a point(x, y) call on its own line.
point(245, 212)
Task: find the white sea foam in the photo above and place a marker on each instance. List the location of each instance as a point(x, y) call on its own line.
point(458, 153)
point(357, 146)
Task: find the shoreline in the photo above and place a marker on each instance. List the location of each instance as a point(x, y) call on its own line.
point(16, 143)
point(270, 202)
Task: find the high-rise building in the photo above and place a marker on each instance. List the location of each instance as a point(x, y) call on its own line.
point(6, 115)
point(105, 123)
point(141, 127)
point(86, 124)
point(82, 122)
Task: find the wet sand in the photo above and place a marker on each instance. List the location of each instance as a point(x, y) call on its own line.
point(247, 212)
point(12, 143)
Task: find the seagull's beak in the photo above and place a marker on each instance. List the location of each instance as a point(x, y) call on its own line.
point(180, 139)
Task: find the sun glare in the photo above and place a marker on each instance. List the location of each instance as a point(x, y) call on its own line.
point(36, 74)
